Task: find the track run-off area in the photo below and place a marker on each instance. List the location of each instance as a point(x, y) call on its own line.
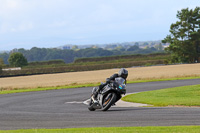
point(64, 108)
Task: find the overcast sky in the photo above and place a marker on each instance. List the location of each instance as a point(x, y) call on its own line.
point(53, 23)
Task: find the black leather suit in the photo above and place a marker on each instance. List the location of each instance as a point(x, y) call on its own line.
point(108, 80)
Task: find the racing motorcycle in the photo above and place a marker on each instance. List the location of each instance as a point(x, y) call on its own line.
point(108, 96)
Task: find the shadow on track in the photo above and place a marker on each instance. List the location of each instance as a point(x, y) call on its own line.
point(131, 109)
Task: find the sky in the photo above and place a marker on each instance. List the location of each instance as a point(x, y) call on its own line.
point(52, 23)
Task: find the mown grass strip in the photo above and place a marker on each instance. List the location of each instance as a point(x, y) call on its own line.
point(19, 90)
point(178, 96)
point(152, 129)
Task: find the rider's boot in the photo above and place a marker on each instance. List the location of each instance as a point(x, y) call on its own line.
point(97, 91)
point(94, 97)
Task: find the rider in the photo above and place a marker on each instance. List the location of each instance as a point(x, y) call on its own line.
point(122, 73)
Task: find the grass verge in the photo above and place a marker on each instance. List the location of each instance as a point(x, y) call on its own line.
point(18, 90)
point(178, 96)
point(154, 129)
point(163, 79)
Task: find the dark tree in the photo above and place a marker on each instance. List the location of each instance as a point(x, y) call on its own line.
point(133, 48)
point(185, 37)
point(17, 60)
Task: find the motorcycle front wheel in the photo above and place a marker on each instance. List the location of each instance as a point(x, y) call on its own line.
point(108, 101)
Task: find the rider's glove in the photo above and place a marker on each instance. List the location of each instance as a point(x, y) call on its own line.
point(107, 81)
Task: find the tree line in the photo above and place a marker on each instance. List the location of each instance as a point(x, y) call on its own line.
point(69, 55)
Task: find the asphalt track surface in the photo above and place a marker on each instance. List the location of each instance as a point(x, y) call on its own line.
point(64, 109)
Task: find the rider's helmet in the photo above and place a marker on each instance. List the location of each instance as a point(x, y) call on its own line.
point(123, 73)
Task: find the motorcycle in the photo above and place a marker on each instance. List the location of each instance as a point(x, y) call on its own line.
point(108, 96)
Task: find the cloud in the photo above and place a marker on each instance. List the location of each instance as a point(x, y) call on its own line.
point(30, 21)
point(12, 16)
point(15, 28)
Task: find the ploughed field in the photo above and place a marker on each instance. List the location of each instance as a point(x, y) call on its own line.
point(137, 73)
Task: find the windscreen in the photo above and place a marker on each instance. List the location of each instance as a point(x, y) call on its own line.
point(119, 80)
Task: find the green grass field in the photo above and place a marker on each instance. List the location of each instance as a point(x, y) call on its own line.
point(153, 129)
point(178, 96)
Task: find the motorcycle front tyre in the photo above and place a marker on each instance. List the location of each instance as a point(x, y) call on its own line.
point(110, 102)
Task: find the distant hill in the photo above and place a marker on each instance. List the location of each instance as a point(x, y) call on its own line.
point(141, 44)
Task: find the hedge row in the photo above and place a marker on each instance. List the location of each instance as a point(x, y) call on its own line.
point(111, 58)
point(76, 68)
point(51, 62)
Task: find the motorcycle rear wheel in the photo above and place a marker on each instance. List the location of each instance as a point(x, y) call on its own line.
point(90, 107)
